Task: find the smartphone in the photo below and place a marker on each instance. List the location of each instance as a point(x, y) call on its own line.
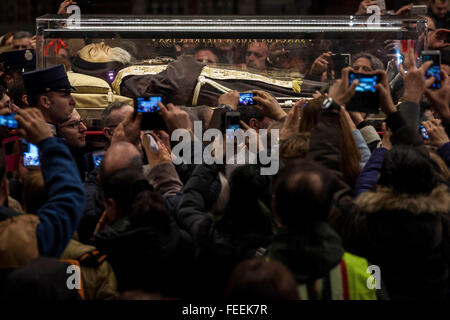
point(423, 132)
point(30, 154)
point(12, 151)
point(340, 61)
point(97, 157)
point(435, 69)
point(246, 99)
point(420, 10)
point(232, 123)
point(148, 106)
point(8, 121)
point(152, 143)
point(366, 98)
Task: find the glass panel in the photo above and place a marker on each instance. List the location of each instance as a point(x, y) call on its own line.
point(282, 49)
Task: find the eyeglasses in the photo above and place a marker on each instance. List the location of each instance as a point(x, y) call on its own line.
point(74, 124)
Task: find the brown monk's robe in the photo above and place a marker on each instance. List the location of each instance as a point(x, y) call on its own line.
point(177, 84)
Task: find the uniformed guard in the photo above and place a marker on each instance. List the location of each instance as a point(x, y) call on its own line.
point(49, 90)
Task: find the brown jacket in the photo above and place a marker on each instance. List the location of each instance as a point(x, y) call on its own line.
point(18, 241)
point(99, 280)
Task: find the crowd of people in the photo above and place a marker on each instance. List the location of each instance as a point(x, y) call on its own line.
point(138, 225)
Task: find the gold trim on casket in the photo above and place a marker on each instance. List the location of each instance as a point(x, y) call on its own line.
point(135, 71)
point(208, 75)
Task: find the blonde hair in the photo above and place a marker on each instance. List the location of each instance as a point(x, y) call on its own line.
point(295, 147)
point(350, 155)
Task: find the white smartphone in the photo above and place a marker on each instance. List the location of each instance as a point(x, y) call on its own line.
point(152, 143)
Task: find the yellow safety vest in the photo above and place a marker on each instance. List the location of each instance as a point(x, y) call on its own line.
point(346, 281)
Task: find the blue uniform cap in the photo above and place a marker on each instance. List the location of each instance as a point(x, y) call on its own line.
point(19, 60)
point(46, 80)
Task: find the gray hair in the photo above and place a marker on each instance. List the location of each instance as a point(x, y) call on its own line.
point(106, 121)
point(375, 63)
point(22, 35)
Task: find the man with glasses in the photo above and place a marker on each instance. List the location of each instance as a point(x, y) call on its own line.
point(6, 103)
point(74, 131)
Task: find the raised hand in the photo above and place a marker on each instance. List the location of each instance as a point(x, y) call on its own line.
point(64, 5)
point(32, 125)
point(267, 105)
point(175, 117)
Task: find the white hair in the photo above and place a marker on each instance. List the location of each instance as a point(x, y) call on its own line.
point(120, 55)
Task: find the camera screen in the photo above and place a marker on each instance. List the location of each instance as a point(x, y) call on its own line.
point(367, 83)
point(8, 121)
point(423, 132)
point(149, 104)
point(97, 159)
point(246, 99)
point(30, 154)
point(233, 123)
point(434, 70)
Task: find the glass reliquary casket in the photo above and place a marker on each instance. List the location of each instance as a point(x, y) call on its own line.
point(193, 60)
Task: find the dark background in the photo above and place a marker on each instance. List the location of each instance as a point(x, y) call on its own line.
point(20, 14)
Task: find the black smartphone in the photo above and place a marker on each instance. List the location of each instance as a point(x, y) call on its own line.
point(435, 69)
point(366, 98)
point(340, 61)
point(148, 106)
point(97, 157)
point(232, 123)
point(423, 132)
point(30, 154)
point(8, 121)
point(232, 120)
point(246, 99)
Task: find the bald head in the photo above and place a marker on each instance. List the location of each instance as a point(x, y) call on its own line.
point(119, 156)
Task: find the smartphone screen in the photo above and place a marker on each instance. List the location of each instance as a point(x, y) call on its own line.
point(97, 157)
point(435, 69)
point(148, 105)
point(30, 154)
point(423, 132)
point(232, 123)
point(367, 83)
point(246, 99)
point(8, 121)
point(366, 98)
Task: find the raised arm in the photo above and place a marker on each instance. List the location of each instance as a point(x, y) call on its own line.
point(60, 215)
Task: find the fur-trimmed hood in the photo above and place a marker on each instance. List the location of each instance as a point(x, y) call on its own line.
point(401, 222)
point(437, 202)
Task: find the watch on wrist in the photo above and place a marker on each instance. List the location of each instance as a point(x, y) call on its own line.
point(329, 104)
point(225, 106)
